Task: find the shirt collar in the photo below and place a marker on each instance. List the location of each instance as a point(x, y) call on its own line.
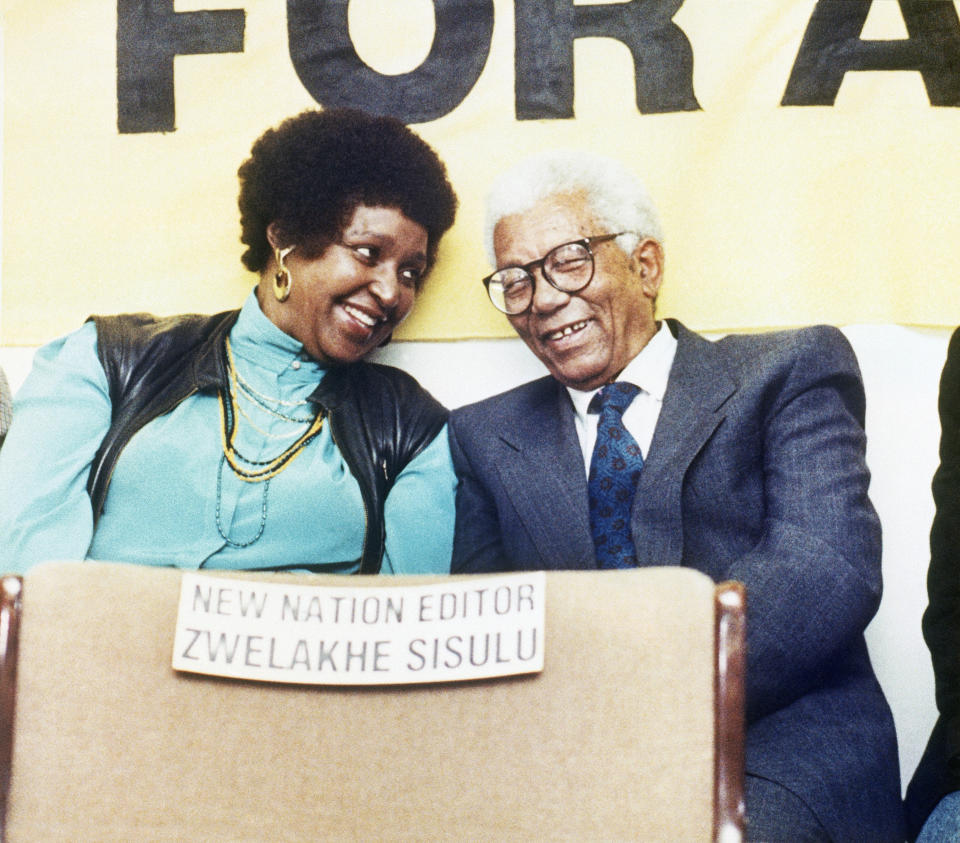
point(650, 370)
point(254, 338)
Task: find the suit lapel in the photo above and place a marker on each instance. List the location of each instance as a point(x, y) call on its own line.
point(542, 470)
point(693, 407)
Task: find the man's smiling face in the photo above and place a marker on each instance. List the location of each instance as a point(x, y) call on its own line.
point(584, 339)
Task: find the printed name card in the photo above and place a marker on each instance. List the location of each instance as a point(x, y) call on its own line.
point(396, 634)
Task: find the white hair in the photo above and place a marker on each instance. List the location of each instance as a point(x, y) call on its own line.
point(615, 195)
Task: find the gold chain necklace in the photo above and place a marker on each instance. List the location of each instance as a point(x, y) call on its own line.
point(238, 378)
point(266, 434)
point(255, 471)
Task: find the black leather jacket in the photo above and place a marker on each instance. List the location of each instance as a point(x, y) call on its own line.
point(379, 416)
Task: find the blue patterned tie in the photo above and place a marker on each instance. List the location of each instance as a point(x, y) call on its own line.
point(614, 473)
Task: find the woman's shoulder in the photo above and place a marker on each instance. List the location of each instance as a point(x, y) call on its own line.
point(143, 330)
point(67, 373)
point(380, 381)
point(142, 343)
point(74, 351)
point(390, 402)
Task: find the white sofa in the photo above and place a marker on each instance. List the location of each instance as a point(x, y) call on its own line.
point(901, 369)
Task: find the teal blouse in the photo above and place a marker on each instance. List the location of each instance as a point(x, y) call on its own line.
point(175, 501)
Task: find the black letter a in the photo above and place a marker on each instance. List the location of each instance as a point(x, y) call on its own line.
point(832, 46)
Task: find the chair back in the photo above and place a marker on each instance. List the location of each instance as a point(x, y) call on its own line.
point(616, 738)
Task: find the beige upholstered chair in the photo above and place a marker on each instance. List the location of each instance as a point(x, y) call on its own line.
point(634, 729)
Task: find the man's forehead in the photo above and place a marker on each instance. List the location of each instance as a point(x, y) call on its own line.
point(547, 223)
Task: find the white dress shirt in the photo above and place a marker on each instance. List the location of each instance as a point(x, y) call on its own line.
point(649, 370)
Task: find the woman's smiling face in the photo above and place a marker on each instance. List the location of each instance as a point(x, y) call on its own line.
point(349, 299)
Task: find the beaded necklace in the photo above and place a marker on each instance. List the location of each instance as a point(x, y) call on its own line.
point(263, 511)
point(248, 470)
point(256, 471)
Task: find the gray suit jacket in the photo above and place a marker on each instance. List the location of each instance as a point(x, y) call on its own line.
point(756, 473)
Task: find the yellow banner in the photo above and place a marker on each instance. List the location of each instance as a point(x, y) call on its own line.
point(803, 152)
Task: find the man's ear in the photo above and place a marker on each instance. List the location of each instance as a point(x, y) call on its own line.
point(648, 258)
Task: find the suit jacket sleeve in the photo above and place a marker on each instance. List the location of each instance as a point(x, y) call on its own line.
point(941, 621)
point(813, 575)
point(477, 542)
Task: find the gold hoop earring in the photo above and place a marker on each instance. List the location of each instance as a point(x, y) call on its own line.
point(282, 280)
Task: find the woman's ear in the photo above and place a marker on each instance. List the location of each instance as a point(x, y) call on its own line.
point(275, 236)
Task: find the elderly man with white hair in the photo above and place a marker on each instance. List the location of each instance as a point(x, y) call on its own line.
point(649, 445)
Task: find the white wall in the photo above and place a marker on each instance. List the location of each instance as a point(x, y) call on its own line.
point(901, 369)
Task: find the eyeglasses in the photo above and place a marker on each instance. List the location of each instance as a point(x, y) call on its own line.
point(567, 267)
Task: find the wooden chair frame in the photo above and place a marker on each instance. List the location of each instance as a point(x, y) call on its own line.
point(11, 588)
point(730, 707)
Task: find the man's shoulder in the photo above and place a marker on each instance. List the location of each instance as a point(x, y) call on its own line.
point(792, 340)
point(820, 346)
point(511, 403)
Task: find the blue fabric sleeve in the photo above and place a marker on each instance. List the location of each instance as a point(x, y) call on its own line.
point(60, 416)
point(419, 513)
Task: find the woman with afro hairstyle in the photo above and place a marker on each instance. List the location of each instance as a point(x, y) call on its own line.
point(257, 438)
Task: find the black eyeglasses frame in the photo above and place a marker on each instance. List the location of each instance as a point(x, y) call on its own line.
point(528, 268)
